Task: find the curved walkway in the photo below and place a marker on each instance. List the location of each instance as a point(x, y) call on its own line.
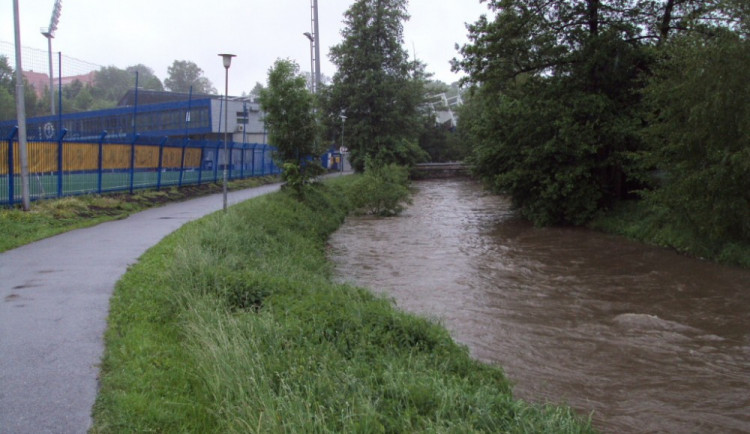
point(54, 301)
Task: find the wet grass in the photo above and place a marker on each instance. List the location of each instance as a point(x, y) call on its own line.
point(232, 324)
point(51, 217)
point(640, 221)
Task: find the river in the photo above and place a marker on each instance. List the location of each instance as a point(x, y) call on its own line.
point(641, 338)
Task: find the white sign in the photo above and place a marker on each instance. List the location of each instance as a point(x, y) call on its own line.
point(343, 149)
point(49, 130)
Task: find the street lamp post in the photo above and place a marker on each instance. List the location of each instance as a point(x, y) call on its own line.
point(227, 59)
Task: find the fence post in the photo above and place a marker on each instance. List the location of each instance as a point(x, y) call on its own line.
point(132, 160)
point(242, 161)
point(263, 162)
point(160, 166)
point(100, 162)
point(230, 166)
point(252, 172)
point(11, 166)
point(200, 163)
point(63, 132)
point(216, 162)
point(182, 160)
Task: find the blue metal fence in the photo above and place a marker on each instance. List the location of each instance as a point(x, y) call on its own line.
point(63, 167)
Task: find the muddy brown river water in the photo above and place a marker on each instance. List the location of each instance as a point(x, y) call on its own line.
point(643, 339)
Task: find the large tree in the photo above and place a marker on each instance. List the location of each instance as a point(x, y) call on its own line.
point(559, 104)
point(183, 74)
point(290, 119)
point(146, 77)
point(7, 90)
point(700, 135)
point(376, 87)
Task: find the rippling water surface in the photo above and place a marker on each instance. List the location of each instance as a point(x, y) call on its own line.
point(647, 340)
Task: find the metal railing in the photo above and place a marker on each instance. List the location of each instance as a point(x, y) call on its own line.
point(65, 168)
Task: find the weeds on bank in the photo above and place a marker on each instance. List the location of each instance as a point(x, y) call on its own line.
point(234, 325)
point(638, 220)
point(51, 217)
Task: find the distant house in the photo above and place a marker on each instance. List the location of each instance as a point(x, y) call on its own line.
point(40, 81)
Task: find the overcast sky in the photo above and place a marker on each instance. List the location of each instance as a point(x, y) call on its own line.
point(157, 32)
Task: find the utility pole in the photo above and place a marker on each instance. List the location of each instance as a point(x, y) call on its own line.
point(21, 114)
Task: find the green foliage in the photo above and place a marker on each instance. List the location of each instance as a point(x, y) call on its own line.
point(561, 151)
point(558, 116)
point(232, 325)
point(183, 74)
point(382, 190)
point(700, 135)
point(51, 217)
point(376, 86)
point(291, 124)
point(651, 222)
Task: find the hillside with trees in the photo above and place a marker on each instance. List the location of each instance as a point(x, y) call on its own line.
point(109, 85)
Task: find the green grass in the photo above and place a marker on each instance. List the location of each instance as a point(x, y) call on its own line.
point(640, 221)
point(51, 217)
point(233, 325)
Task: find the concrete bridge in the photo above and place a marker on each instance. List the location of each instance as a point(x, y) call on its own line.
point(440, 170)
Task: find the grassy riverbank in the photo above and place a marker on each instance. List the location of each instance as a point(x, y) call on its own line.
point(638, 220)
point(54, 216)
point(232, 324)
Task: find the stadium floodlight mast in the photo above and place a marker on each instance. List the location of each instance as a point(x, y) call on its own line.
point(314, 38)
point(49, 33)
point(309, 36)
point(227, 60)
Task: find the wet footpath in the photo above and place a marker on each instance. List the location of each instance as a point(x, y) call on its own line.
point(54, 301)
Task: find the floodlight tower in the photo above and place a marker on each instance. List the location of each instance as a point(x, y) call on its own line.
point(314, 47)
point(49, 33)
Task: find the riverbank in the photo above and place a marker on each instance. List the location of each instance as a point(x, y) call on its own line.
point(232, 324)
point(638, 221)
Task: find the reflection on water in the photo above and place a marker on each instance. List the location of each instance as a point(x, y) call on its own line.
point(648, 340)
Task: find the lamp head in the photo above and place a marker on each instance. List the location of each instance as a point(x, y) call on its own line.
point(227, 59)
point(309, 36)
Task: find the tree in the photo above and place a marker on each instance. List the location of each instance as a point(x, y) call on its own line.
point(7, 90)
point(376, 87)
point(560, 81)
point(146, 77)
point(700, 135)
point(558, 115)
point(257, 90)
point(289, 117)
point(183, 74)
point(111, 83)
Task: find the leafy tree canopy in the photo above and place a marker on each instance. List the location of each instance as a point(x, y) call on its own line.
point(183, 74)
point(376, 87)
point(557, 117)
point(290, 120)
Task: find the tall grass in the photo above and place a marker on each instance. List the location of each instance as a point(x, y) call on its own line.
point(234, 325)
point(648, 222)
point(54, 216)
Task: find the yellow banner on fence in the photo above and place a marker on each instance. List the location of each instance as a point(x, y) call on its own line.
point(84, 157)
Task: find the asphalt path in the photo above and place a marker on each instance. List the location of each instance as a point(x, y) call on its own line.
point(54, 301)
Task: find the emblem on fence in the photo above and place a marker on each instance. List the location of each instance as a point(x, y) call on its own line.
point(49, 131)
